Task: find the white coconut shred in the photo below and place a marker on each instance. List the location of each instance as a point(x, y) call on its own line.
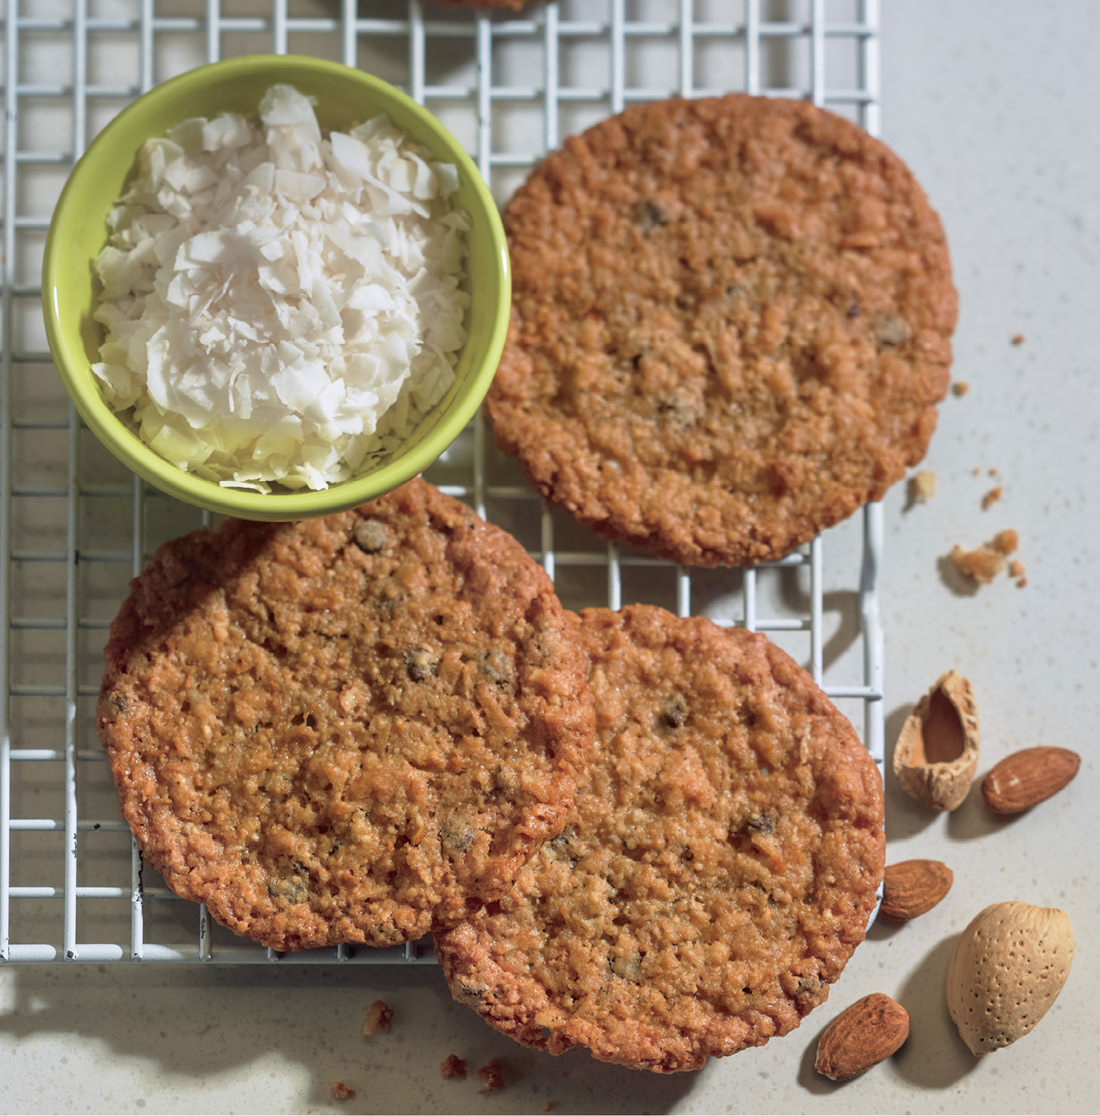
point(281, 307)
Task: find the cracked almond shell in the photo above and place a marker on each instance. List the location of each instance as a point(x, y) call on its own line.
point(936, 755)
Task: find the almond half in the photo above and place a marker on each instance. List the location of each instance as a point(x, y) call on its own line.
point(936, 754)
point(861, 1036)
point(1028, 777)
point(912, 887)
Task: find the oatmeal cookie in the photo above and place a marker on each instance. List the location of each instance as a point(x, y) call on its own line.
point(335, 730)
point(731, 326)
point(718, 869)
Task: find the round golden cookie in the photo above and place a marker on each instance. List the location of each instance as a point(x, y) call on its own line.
point(718, 869)
point(731, 326)
point(340, 729)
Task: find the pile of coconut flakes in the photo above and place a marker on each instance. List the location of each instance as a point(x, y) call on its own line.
point(281, 308)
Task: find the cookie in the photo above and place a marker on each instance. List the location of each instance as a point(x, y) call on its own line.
point(718, 869)
point(339, 729)
point(731, 326)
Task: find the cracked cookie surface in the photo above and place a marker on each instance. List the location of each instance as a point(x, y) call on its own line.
point(730, 329)
point(342, 729)
point(716, 873)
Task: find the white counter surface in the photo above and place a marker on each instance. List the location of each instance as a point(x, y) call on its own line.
point(994, 106)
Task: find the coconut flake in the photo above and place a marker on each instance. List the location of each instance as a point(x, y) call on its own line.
point(281, 308)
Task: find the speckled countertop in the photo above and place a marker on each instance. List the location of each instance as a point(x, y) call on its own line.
point(993, 105)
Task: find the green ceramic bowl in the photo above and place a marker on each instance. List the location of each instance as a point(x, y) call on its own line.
point(344, 97)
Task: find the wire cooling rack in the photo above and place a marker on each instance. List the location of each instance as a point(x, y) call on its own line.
point(74, 526)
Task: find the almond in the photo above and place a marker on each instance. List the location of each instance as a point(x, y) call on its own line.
point(912, 887)
point(936, 753)
point(1007, 969)
point(861, 1036)
point(1026, 778)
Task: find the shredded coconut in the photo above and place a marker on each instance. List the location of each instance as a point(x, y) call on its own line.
point(281, 307)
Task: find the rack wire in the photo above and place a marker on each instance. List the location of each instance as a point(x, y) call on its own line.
point(74, 526)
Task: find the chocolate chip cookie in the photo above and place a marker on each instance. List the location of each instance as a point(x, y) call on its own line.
point(731, 326)
point(718, 869)
point(341, 729)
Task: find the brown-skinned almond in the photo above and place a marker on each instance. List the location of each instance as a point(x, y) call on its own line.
point(861, 1036)
point(1028, 777)
point(912, 887)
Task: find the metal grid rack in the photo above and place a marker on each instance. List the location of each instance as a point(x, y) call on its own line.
point(74, 526)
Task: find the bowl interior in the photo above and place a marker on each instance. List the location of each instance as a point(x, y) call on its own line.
point(344, 97)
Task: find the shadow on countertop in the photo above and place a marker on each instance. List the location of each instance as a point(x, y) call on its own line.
point(934, 1057)
point(277, 1038)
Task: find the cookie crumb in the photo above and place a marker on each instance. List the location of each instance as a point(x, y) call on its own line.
point(982, 564)
point(960, 388)
point(1018, 339)
point(1017, 572)
point(992, 496)
point(379, 1017)
point(1006, 541)
point(453, 1066)
point(341, 1092)
point(922, 487)
point(493, 1075)
point(985, 562)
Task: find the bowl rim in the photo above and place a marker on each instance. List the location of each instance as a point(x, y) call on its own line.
point(74, 367)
